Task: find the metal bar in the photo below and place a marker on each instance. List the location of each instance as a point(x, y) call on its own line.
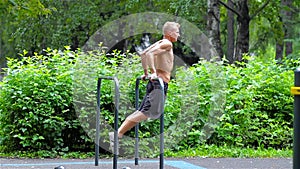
point(136, 129)
point(107, 77)
point(116, 115)
point(116, 140)
point(97, 123)
point(161, 146)
point(296, 151)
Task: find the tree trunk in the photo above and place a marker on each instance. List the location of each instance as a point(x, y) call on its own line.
point(243, 22)
point(242, 43)
point(279, 51)
point(286, 15)
point(230, 33)
point(213, 26)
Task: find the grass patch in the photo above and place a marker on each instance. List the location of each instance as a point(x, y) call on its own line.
point(211, 151)
point(47, 154)
point(214, 151)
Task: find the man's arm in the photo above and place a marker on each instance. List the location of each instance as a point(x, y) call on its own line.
point(144, 63)
point(145, 58)
point(159, 47)
point(155, 50)
point(162, 47)
point(151, 61)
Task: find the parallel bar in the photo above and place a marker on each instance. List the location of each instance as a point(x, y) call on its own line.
point(116, 115)
point(161, 155)
point(116, 140)
point(107, 77)
point(97, 123)
point(136, 129)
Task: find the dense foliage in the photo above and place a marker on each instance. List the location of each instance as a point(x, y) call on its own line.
point(48, 102)
point(37, 24)
point(36, 104)
point(259, 106)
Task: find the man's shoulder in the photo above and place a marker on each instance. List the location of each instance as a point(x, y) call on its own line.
point(166, 41)
point(165, 44)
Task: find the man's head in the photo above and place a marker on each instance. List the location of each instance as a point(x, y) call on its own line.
point(171, 31)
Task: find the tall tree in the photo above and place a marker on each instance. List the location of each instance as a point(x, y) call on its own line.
point(11, 12)
point(213, 25)
point(230, 33)
point(279, 49)
point(284, 42)
point(243, 22)
point(287, 17)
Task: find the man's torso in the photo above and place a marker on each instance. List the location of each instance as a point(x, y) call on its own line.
point(164, 65)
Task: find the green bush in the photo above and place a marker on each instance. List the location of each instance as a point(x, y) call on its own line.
point(36, 111)
point(48, 102)
point(259, 106)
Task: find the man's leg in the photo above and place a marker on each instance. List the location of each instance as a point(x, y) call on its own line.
point(130, 122)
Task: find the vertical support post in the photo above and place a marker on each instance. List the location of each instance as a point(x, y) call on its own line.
point(97, 138)
point(116, 116)
point(116, 139)
point(136, 129)
point(161, 155)
point(296, 145)
point(162, 125)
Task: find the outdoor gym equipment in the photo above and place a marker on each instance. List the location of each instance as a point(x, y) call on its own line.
point(116, 116)
point(97, 138)
point(296, 92)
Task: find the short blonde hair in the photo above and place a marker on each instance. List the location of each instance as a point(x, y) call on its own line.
point(170, 26)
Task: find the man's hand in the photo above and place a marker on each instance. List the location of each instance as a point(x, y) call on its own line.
point(153, 76)
point(144, 77)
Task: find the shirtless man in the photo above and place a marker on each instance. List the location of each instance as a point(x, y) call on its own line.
point(158, 58)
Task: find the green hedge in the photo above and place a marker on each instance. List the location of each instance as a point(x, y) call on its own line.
point(48, 102)
point(259, 106)
point(36, 104)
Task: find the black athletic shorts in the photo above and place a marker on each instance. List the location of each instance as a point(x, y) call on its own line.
point(153, 103)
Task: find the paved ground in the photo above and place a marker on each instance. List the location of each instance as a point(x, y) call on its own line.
point(182, 163)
